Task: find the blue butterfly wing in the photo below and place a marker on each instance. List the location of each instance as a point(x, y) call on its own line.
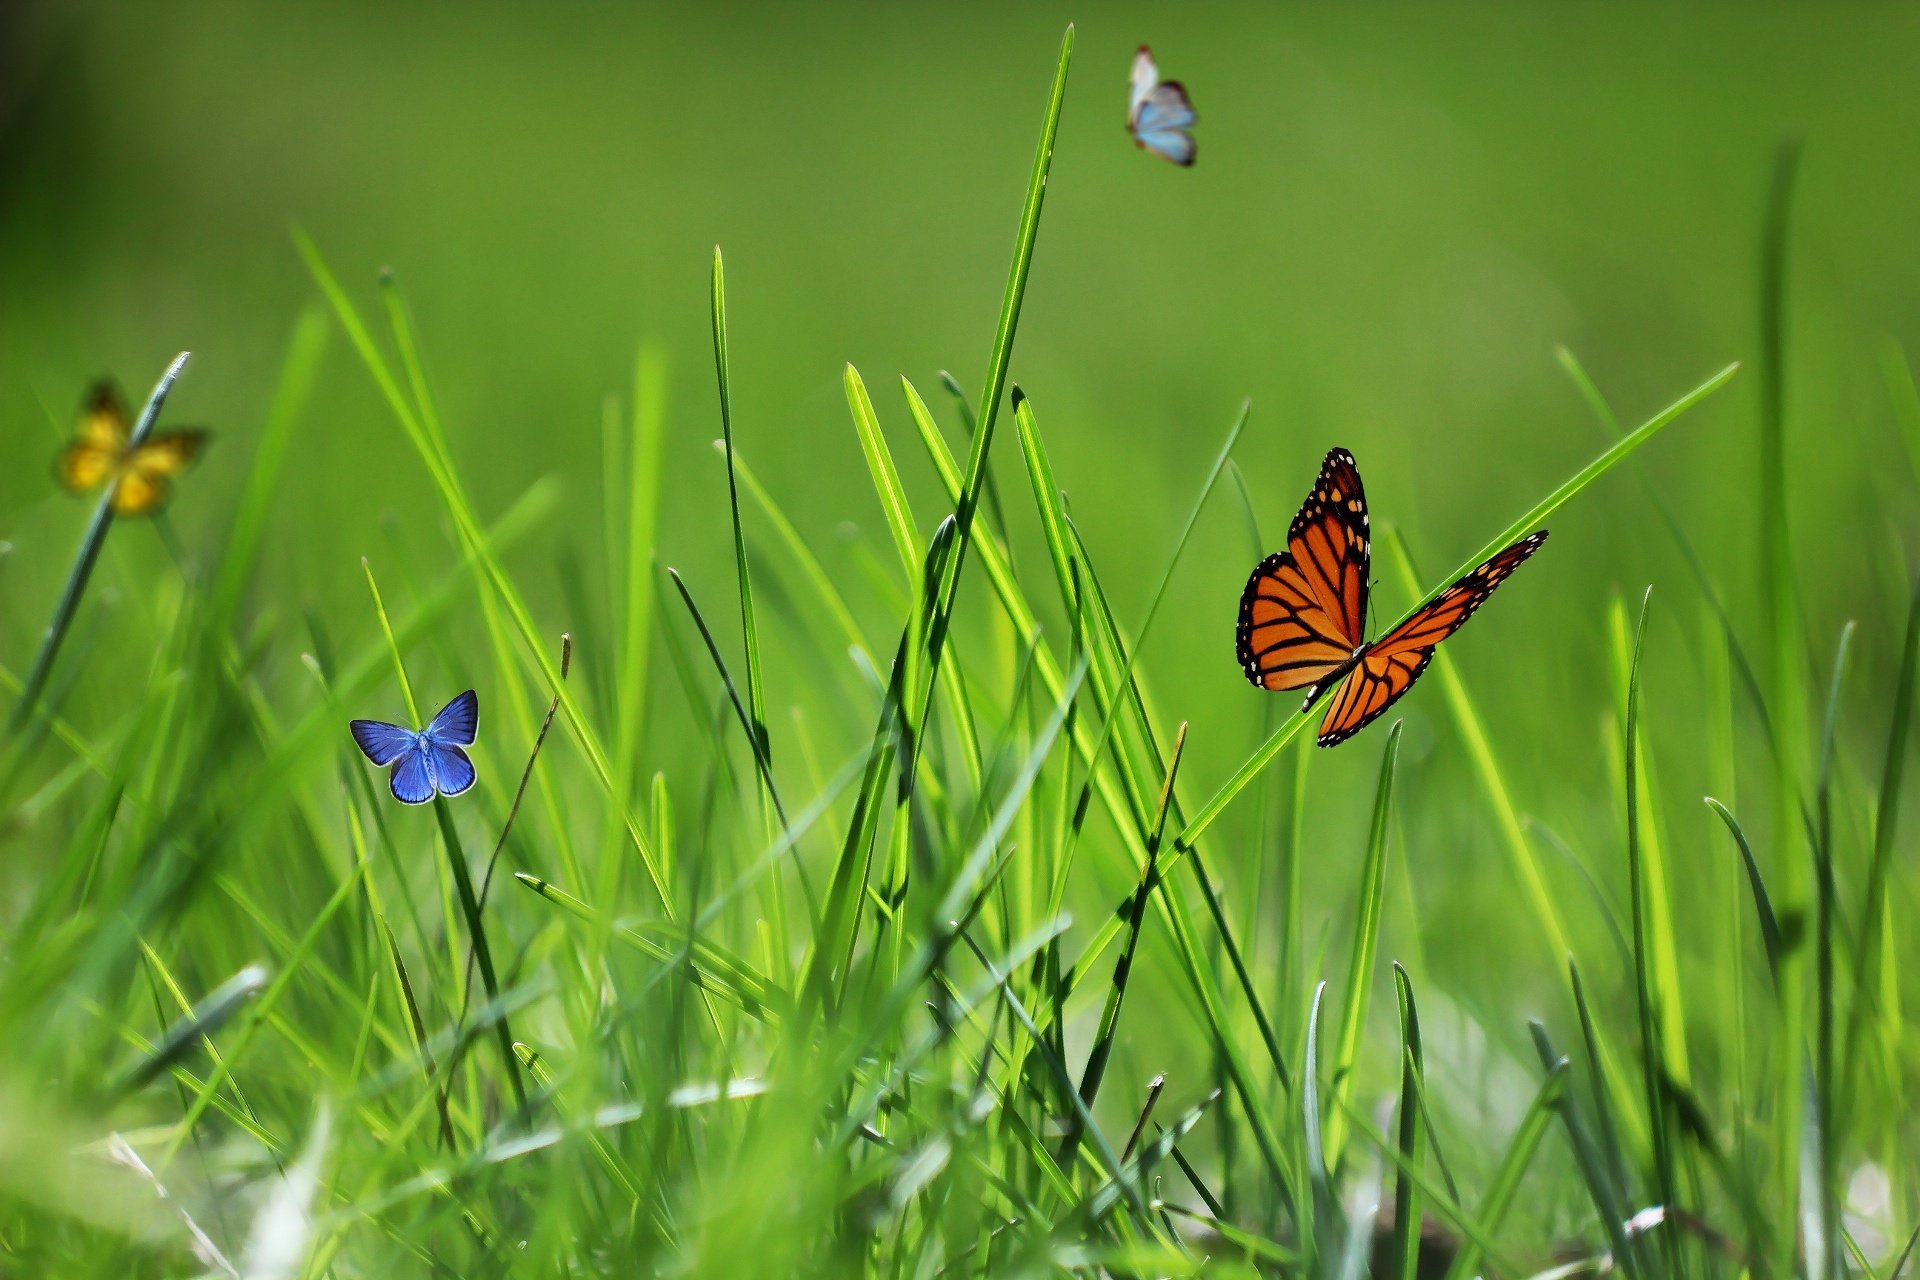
point(412, 778)
point(1162, 123)
point(453, 771)
point(458, 722)
point(379, 740)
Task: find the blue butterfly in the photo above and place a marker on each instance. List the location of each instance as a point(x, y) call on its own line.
point(1159, 112)
point(429, 760)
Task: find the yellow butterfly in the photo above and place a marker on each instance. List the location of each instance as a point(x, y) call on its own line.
point(141, 475)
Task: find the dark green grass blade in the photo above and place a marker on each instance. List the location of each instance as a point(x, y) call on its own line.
point(1607, 1136)
point(756, 695)
point(1588, 1159)
point(1096, 1065)
point(1322, 1219)
point(90, 544)
point(1572, 487)
point(1876, 923)
point(1770, 932)
point(1407, 1209)
point(749, 722)
point(1786, 673)
point(1825, 1099)
point(206, 1017)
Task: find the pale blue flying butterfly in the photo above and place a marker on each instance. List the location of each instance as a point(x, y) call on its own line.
point(1158, 112)
point(427, 760)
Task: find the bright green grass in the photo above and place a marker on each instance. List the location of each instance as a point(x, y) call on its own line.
point(872, 978)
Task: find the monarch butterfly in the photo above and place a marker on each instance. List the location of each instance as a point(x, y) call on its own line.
point(1159, 112)
point(103, 453)
point(1303, 614)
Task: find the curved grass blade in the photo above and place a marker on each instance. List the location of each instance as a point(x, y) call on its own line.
point(1770, 933)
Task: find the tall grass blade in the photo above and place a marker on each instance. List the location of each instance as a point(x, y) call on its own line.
point(1876, 919)
point(1649, 992)
point(1366, 943)
point(1096, 1066)
point(1407, 1208)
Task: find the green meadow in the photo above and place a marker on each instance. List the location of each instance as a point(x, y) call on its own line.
point(834, 454)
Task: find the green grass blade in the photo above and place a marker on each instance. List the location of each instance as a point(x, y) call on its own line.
point(1096, 1066)
point(645, 477)
point(1407, 1209)
point(205, 1018)
point(1648, 987)
point(1826, 1100)
point(1508, 1177)
point(298, 374)
point(750, 637)
point(886, 479)
point(1592, 1165)
point(1366, 943)
point(1770, 932)
point(1321, 1220)
point(1786, 672)
point(999, 360)
point(1876, 918)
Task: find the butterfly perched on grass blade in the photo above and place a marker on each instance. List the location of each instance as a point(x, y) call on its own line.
point(1303, 614)
point(140, 476)
point(427, 760)
point(1159, 113)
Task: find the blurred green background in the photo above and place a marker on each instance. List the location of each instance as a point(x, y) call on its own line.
point(1399, 212)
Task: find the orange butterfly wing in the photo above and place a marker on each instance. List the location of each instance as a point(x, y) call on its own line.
point(1389, 667)
point(1304, 608)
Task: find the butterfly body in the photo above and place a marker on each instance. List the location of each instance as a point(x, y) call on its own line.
point(1159, 113)
point(1303, 614)
point(103, 453)
point(425, 761)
